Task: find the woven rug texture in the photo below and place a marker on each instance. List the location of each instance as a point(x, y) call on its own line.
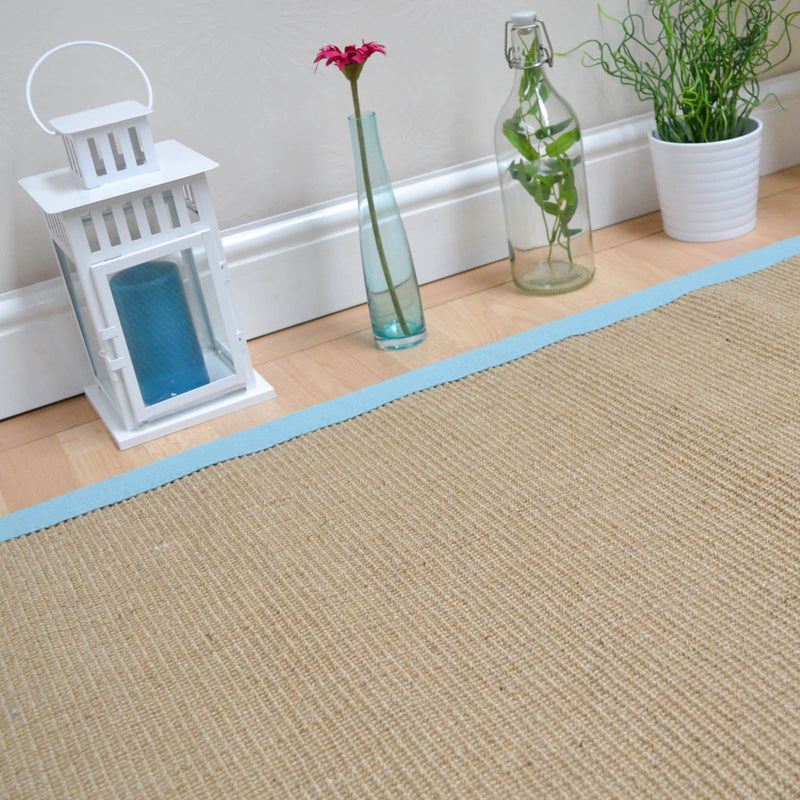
point(574, 575)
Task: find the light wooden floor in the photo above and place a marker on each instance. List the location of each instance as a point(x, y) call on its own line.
point(55, 449)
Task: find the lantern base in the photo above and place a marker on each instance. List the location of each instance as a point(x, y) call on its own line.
point(179, 420)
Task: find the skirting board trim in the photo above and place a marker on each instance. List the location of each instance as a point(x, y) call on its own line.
point(305, 263)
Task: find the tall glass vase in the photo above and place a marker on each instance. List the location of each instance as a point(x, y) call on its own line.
point(395, 307)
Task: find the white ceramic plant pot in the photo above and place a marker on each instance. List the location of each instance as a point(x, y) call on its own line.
point(708, 192)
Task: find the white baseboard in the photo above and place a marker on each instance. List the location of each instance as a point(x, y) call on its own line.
point(305, 263)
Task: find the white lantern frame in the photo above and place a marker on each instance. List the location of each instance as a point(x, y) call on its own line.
point(102, 225)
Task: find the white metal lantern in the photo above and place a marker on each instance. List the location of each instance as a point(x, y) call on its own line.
point(138, 245)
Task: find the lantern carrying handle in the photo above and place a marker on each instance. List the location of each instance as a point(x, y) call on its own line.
point(77, 44)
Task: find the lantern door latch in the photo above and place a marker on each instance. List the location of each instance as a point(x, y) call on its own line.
point(106, 335)
point(113, 364)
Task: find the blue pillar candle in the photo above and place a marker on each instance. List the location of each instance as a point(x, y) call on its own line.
point(157, 323)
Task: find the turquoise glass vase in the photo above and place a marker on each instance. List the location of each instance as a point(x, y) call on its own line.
point(395, 308)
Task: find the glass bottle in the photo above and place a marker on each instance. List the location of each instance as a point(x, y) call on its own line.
point(395, 308)
point(540, 165)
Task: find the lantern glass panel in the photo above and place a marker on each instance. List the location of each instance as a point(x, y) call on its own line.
point(78, 298)
point(173, 325)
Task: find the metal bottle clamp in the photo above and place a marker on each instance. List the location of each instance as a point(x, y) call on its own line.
point(546, 49)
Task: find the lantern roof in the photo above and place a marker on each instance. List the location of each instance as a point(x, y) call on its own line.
point(100, 117)
point(56, 192)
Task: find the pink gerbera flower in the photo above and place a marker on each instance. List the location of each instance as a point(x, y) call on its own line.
point(350, 60)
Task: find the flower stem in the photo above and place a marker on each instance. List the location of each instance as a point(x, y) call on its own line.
point(373, 214)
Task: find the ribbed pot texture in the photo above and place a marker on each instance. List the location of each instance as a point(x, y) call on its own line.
point(708, 192)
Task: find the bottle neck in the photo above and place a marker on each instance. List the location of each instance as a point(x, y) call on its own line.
point(526, 48)
point(529, 60)
point(527, 56)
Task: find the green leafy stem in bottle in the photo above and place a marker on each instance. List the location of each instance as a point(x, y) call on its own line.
point(545, 170)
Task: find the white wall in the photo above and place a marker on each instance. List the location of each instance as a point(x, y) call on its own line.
point(235, 81)
point(238, 84)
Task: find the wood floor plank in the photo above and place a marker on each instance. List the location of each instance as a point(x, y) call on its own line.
point(628, 231)
point(328, 370)
point(36, 471)
point(45, 421)
point(782, 181)
point(86, 448)
point(308, 334)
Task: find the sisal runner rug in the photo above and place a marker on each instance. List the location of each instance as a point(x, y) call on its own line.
point(576, 574)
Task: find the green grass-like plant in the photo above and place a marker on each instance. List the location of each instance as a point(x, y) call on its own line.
point(698, 61)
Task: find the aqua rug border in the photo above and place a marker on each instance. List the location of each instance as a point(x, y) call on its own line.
point(151, 476)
